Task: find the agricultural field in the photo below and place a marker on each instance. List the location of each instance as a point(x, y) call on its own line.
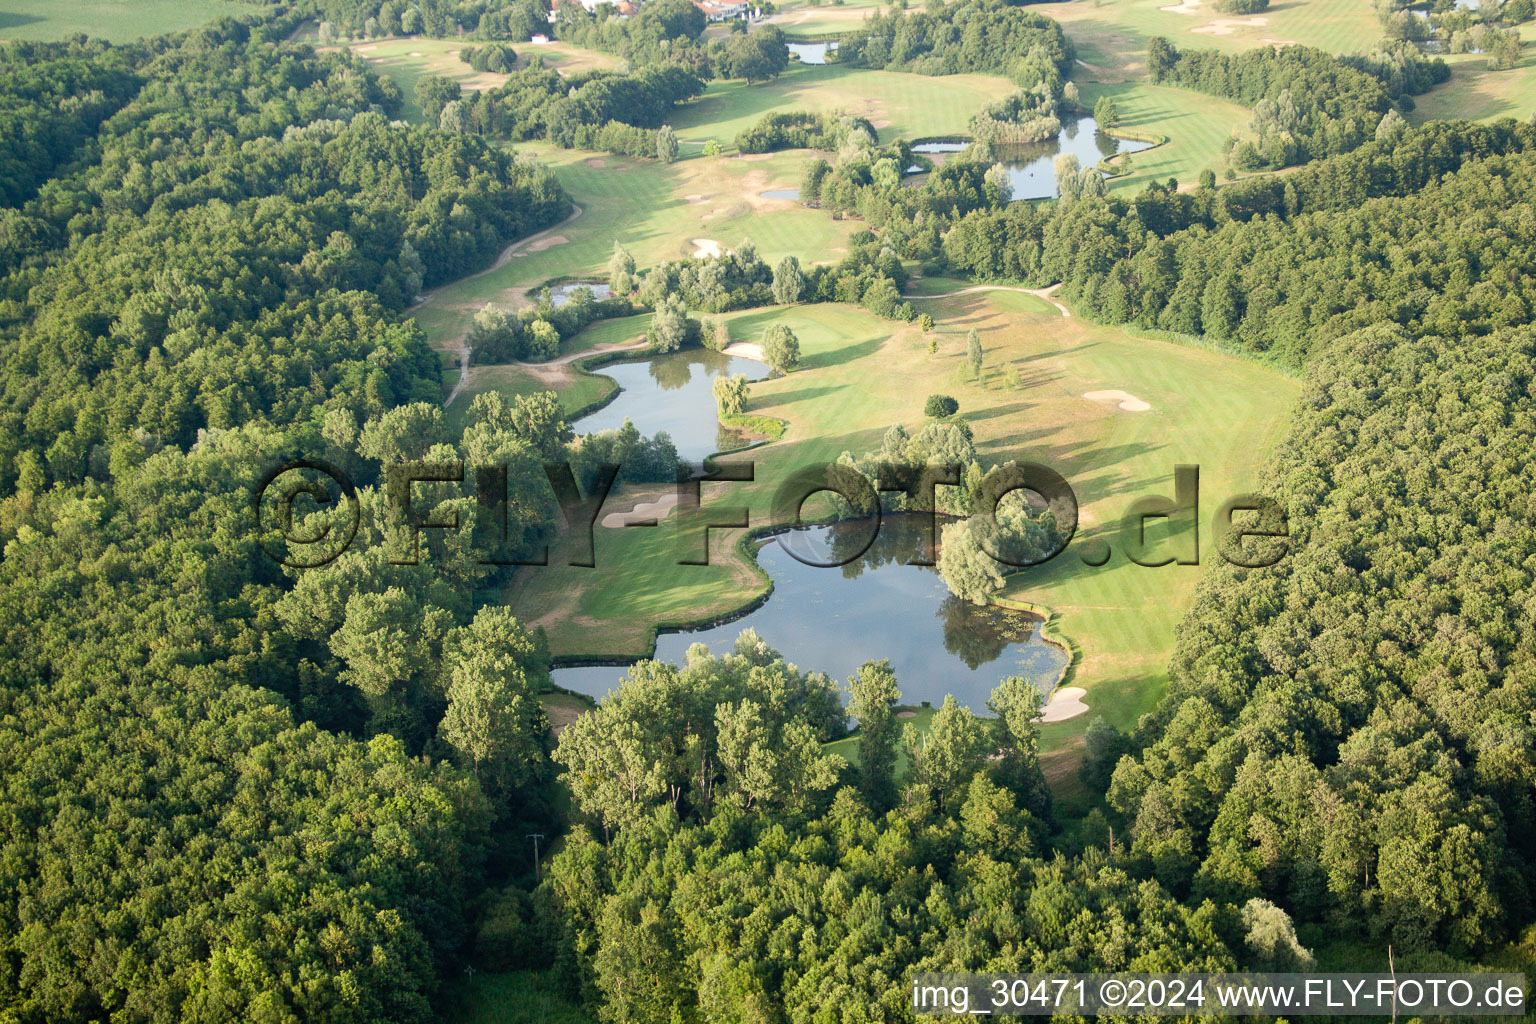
point(117, 21)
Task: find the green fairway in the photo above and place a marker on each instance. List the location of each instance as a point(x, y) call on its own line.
point(117, 21)
point(1111, 35)
point(658, 211)
point(804, 22)
point(861, 374)
point(899, 105)
point(1196, 126)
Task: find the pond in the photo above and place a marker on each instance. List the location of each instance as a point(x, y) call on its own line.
point(781, 193)
point(560, 294)
point(675, 393)
point(812, 53)
point(832, 620)
point(1032, 168)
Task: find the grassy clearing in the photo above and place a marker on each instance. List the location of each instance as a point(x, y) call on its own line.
point(861, 374)
point(518, 997)
point(118, 21)
point(920, 718)
point(1478, 94)
point(563, 709)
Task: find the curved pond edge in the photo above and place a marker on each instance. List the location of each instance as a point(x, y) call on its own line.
point(771, 427)
point(1051, 633)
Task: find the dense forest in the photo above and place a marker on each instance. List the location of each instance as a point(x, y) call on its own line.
point(228, 796)
point(978, 36)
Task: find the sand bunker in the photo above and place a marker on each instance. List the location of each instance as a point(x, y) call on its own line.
point(745, 349)
point(906, 714)
point(704, 247)
point(753, 157)
point(1126, 400)
point(694, 198)
point(1183, 7)
point(595, 162)
point(547, 242)
point(642, 512)
point(1065, 703)
point(414, 53)
point(1226, 26)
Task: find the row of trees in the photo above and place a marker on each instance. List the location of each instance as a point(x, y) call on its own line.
point(793, 129)
point(617, 112)
point(517, 20)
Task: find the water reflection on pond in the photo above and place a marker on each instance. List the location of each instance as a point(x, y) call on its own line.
point(1032, 168)
point(812, 53)
point(834, 619)
point(675, 393)
point(560, 294)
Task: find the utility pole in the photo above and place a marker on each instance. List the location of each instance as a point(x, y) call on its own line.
point(538, 872)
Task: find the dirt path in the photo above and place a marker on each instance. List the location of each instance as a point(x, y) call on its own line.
point(501, 261)
point(1039, 293)
point(553, 372)
point(462, 347)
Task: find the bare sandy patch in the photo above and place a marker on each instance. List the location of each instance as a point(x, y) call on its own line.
point(644, 511)
point(547, 242)
point(1124, 399)
point(1227, 26)
point(704, 248)
point(1065, 703)
point(746, 350)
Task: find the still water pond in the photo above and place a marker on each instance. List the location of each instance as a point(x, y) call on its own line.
point(832, 620)
point(560, 294)
point(812, 53)
point(1032, 168)
point(675, 393)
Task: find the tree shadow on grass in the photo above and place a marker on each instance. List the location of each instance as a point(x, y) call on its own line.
point(10, 19)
